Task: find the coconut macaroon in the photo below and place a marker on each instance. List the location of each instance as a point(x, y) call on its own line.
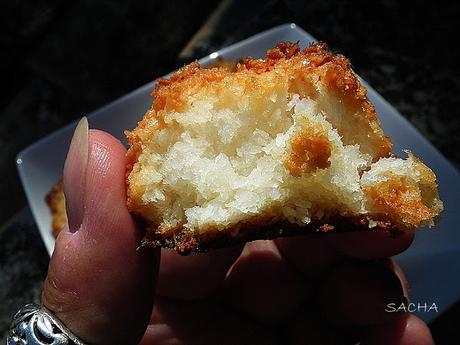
point(289, 144)
point(55, 199)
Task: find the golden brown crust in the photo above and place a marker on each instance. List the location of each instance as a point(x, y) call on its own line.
point(228, 65)
point(409, 206)
point(308, 153)
point(55, 200)
point(397, 196)
point(186, 242)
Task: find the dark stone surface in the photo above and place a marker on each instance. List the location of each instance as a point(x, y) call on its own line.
point(64, 59)
point(61, 60)
point(23, 266)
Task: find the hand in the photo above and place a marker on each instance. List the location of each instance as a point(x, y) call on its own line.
point(318, 289)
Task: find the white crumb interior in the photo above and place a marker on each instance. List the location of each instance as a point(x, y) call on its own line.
point(212, 168)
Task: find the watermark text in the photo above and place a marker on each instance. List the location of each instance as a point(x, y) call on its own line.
point(412, 307)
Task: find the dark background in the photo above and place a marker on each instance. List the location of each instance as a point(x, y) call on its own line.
point(60, 60)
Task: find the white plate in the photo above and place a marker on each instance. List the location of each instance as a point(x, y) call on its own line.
point(432, 264)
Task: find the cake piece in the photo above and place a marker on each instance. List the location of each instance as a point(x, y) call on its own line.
point(285, 145)
point(55, 199)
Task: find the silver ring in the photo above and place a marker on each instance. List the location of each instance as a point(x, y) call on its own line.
point(35, 325)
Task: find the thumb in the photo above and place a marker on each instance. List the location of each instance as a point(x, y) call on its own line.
point(98, 284)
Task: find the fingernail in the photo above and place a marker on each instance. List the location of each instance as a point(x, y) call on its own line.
point(75, 175)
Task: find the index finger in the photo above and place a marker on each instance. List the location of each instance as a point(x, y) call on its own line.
point(314, 254)
point(367, 245)
point(194, 276)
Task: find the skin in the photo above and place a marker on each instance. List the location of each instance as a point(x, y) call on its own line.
point(326, 289)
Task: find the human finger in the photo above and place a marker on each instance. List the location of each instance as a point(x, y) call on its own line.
point(360, 294)
point(312, 255)
point(408, 330)
point(181, 322)
point(263, 284)
point(367, 245)
point(98, 284)
point(310, 327)
point(194, 276)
